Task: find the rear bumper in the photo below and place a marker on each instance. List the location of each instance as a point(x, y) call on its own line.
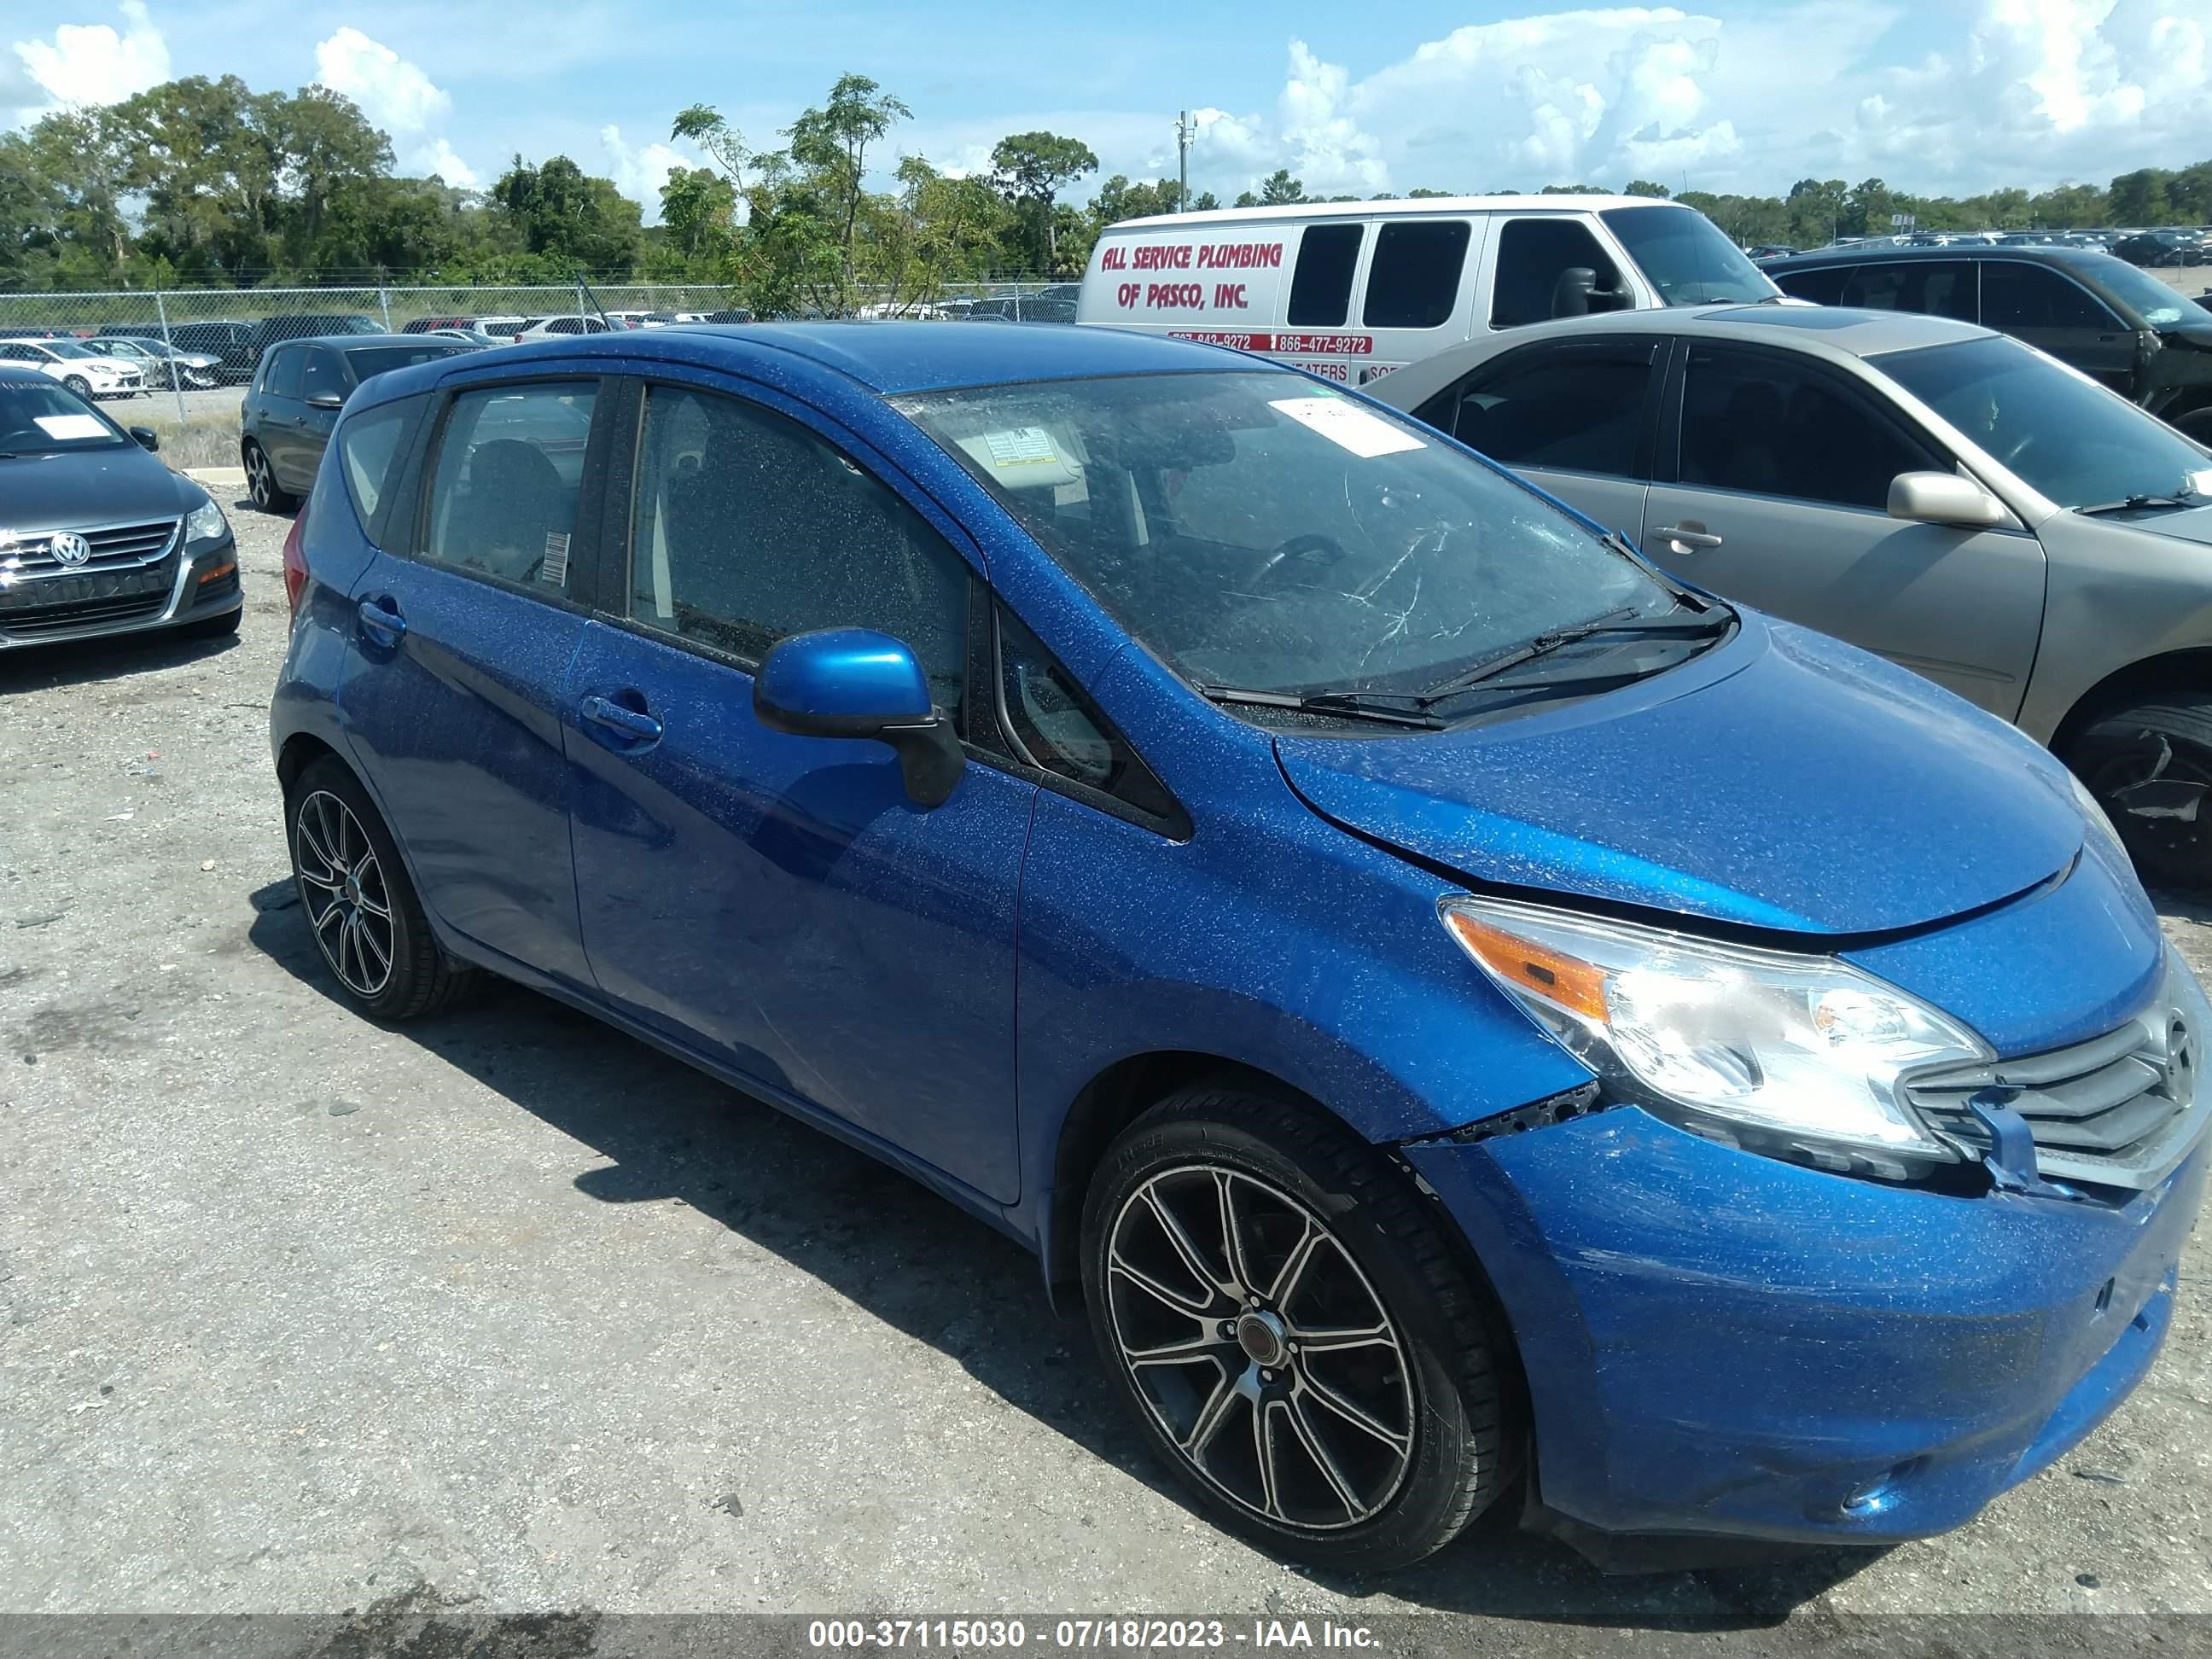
point(1717, 1343)
point(184, 589)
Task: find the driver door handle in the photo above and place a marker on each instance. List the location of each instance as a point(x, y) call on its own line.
point(1686, 538)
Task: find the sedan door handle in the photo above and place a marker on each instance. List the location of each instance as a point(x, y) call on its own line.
point(386, 625)
point(1686, 538)
point(630, 722)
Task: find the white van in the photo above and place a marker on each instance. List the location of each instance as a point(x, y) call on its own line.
point(1351, 290)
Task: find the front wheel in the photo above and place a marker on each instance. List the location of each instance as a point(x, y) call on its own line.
point(79, 385)
point(2150, 768)
point(1298, 1343)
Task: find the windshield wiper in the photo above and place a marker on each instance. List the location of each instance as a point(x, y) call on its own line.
point(2137, 503)
point(1630, 622)
point(1384, 708)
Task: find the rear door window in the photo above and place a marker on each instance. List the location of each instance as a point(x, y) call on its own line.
point(1576, 407)
point(2018, 295)
point(1413, 279)
point(1937, 288)
point(1321, 284)
point(1767, 426)
point(1533, 259)
point(505, 482)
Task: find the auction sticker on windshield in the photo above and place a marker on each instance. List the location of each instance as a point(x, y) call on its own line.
point(1348, 426)
point(71, 426)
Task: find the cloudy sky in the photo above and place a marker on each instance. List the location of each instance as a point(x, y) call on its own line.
point(1934, 95)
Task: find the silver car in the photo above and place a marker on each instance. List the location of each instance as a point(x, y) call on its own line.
point(1949, 497)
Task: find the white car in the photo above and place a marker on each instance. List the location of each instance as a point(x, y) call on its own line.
point(545, 326)
point(85, 372)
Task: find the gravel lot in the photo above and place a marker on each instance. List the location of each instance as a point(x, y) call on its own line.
point(297, 1313)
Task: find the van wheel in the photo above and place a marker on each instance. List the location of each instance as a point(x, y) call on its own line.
point(261, 484)
point(2150, 768)
point(362, 909)
point(1288, 1325)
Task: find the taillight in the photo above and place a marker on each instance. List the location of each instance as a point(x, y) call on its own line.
point(295, 561)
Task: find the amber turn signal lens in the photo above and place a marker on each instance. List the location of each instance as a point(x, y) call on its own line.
point(218, 572)
point(1567, 981)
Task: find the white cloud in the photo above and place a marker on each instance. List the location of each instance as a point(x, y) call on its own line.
point(441, 159)
point(92, 64)
point(640, 171)
point(392, 92)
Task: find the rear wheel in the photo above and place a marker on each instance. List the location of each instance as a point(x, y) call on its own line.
point(261, 483)
point(2150, 768)
point(367, 925)
point(79, 385)
point(1299, 1344)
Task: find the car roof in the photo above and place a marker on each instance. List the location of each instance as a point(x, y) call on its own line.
point(1396, 207)
point(903, 355)
point(1868, 254)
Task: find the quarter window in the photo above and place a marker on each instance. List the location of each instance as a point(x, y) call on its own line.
point(510, 468)
point(1056, 728)
point(747, 527)
point(2016, 295)
point(1576, 409)
point(1320, 286)
point(1767, 427)
point(1414, 282)
point(1533, 259)
point(368, 449)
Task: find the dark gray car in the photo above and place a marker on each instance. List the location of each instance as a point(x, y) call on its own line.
point(100, 536)
point(293, 404)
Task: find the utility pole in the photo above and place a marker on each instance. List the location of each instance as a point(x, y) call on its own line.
point(1185, 131)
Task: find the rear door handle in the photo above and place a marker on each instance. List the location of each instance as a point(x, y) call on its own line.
point(632, 723)
point(386, 626)
point(1682, 538)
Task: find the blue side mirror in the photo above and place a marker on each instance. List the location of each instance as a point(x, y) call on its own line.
point(856, 683)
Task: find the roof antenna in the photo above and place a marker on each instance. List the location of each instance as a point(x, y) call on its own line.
point(585, 289)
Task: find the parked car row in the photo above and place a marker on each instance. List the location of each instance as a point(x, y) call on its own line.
point(87, 372)
point(1556, 1034)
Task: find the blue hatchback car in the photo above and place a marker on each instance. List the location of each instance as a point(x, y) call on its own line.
point(1453, 1004)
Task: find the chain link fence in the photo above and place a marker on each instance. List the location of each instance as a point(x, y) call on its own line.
point(176, 358)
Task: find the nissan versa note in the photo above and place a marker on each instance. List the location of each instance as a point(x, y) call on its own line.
point(1450, 1001)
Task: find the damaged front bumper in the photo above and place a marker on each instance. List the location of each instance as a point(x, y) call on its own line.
point(1717, 1344)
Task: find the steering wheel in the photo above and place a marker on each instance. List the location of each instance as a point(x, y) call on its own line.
point(1311, 548)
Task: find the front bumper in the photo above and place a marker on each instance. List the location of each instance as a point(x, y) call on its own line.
point(1719, 1343)
point(189, 586)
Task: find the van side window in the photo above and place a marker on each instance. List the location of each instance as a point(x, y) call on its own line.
point(1320, 286)
point(1414, 282)
point(1534, 258)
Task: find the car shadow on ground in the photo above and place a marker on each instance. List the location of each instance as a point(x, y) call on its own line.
point(914, 1260)
point(116, 656)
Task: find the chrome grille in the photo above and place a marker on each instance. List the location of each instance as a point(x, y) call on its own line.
point(2118, 1110)
point(114, 547)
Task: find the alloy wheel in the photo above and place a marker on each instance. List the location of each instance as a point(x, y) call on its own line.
point(2153, 793)
point(1261, 1349)
point(257, 481)
point(341, 887)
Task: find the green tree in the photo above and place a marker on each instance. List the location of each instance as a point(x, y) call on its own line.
point(1028, 169)
point(1645, 188)
point(1245, 198)
point(833, 141)
point(1206, 202)
point(698, 207)
point(562, 211)
point(1425, 193)
point(723, 143)
point(1278, 189)
point(2139, 198)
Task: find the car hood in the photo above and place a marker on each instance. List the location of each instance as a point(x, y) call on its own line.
point(1784, 780)
point(96, 487)
point(2189, 525)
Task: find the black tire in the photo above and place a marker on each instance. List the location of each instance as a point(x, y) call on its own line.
point(418, 978)
point(2150, 768)
point(2194, 424)
point(79, 385)
point(214, 628)
point(261, 481)
point(1364, 1502)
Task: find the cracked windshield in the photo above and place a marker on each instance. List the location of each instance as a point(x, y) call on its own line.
point(1260, 531)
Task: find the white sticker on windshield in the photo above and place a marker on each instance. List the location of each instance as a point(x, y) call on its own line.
point(1028, 446)
point(71, 426)
point(1348, 426)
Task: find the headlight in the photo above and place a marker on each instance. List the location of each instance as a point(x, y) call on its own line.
point(205, 523)
point(1799, 1056)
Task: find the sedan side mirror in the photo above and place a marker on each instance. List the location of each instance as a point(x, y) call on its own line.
point(856, 683)
point(147, 437)
point(326, 400)
point(1945, 498)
